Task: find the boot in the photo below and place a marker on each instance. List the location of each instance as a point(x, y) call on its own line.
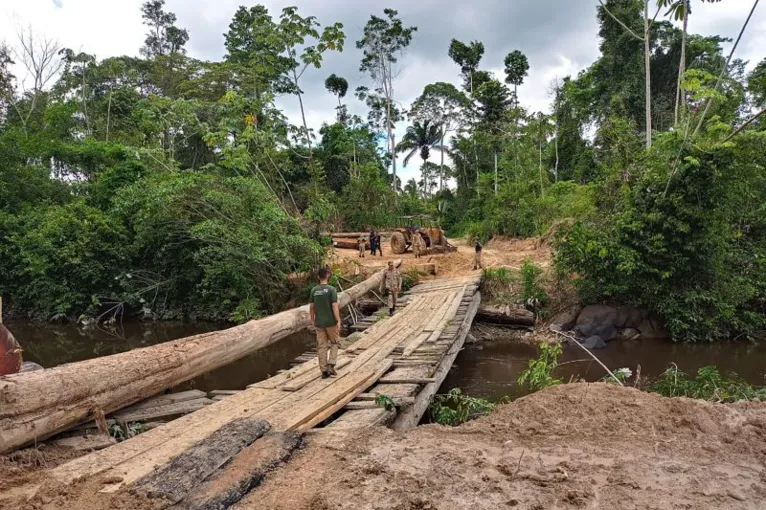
point(390, 312)
point(331, 370)
point(325, 374)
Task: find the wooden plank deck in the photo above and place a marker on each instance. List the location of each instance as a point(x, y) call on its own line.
point(404, 357)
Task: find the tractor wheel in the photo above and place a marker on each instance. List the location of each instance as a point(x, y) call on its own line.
point(398, 243)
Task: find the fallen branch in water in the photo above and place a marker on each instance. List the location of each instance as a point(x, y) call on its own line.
point(578, 344)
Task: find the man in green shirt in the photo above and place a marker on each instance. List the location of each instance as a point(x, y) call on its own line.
point(325, 315)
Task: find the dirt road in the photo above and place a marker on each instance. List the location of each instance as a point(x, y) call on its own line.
point(572, 446)
point(497, 252)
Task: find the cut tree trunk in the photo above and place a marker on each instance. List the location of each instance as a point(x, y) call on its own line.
point(506, 315)
point(348, 244)
point(427, 268)
point(349, 235)
point(36, 405)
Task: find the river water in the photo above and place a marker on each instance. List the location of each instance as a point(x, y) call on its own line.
point(488, 369)
point(52, 345)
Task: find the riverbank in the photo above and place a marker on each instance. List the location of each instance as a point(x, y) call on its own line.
point(572, 446)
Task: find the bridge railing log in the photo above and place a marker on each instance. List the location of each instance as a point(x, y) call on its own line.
point(37, 405)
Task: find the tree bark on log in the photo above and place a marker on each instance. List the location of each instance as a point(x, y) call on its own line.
point(37, 405)
point(506, 315)
point(350, 235)
point(349, 244)
point(427, 268)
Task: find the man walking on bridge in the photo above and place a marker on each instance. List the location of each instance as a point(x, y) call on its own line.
point(393, 282)
point(325, 315)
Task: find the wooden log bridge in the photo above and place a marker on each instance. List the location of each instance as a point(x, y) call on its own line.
point(36, 405)
point(206, 458)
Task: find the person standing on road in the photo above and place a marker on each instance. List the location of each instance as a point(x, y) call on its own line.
point(325, 316)
point(477, 257)
point(373, 240)
point(418, 245)
point(362, 245)
point(379, 244)
point(392, 281)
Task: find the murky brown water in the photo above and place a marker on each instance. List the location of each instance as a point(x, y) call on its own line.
point(490, 369)
point(52, 345)
point(487, 369)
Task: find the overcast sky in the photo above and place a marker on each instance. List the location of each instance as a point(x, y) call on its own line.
point(558, 36)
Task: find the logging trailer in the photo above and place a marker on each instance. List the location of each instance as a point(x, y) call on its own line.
point(424, 226)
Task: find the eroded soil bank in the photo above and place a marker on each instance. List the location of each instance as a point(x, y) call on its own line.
point(573, 446)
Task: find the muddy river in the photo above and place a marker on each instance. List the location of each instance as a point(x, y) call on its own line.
point(488, 369)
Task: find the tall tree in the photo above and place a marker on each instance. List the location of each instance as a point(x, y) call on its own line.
point(338, 87)
point(421, 138)
point(164, 37)
point(252, 47)
point(680, 10)
point(756, 84)
point(384, 41)
point(445, 105)
point(40, 61)
point(493, 101)
point(293, 31)
point(516, 69)
point(468, 57)
point(643, 36)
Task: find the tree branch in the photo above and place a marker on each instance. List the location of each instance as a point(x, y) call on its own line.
point(725, 67)
point(743, 126)
point(623, 25)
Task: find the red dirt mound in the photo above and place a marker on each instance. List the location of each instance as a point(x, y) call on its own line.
point(572, 446)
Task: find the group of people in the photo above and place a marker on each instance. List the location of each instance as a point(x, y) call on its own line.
point(376, 244)
point(325, 314)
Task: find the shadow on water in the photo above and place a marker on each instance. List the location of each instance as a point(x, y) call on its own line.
point(490, 369)
point(52, 345)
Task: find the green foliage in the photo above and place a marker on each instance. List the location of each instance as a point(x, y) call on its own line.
point(368, 200)
point(500, 275)
point(530, 283)
point(132, 429)
point(236, 243)
point(410, 279)
point(63, 260)
point(692, 255)
point(709, 384)
point(385, 402)
point(539, 372)
point(455, 408)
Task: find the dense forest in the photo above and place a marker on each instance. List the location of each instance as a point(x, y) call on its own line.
point(173, 187)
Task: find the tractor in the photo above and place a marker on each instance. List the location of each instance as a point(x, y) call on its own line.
point(425, 227)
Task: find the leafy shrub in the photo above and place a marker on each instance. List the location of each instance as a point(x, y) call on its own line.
point(455, 408)
point(212, 247)
point(410, 278)
point(539, 372)
point(694, 255)
point(709, 384)
point(530, 284)
point(66, 260)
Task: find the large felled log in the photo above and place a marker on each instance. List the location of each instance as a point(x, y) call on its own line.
point(349, 244)
point(350, 235)
point(36, 405)
point(506, 315)
point(427, 268)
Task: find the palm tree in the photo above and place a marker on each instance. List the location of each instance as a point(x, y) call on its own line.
point(421, 138)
